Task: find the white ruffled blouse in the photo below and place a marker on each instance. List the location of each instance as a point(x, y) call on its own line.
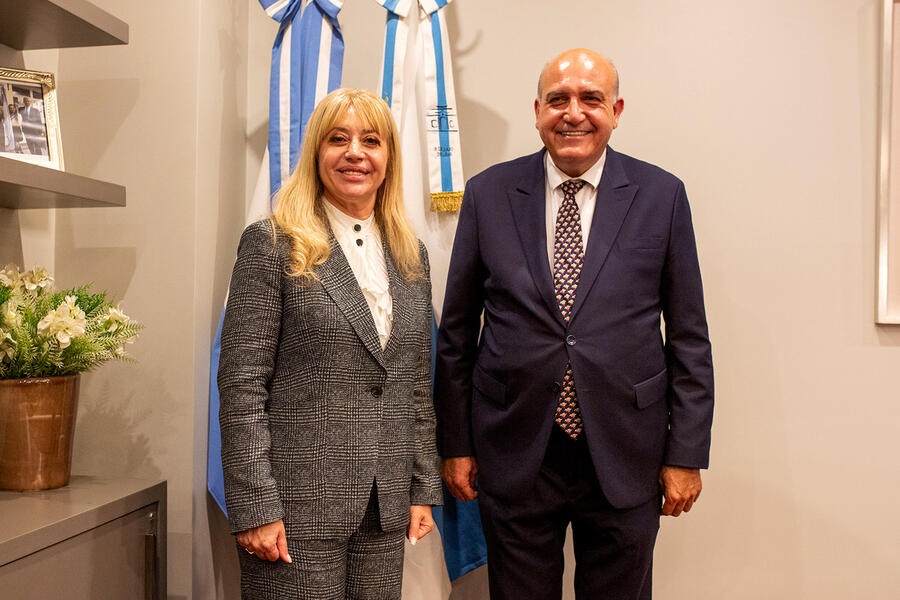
point(361, 243)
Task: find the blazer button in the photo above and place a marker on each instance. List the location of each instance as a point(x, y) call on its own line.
point(376, 390)
point(570, 340)
point(556, 387)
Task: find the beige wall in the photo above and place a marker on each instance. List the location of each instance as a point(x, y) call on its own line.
point(767, 111)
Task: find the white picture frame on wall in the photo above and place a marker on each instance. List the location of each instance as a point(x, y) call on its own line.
point(29, 119)
point(888, 208)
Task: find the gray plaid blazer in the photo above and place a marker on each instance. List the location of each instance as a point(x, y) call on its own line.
point(312, 410)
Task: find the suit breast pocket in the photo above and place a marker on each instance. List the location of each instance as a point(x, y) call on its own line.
point(644, 243)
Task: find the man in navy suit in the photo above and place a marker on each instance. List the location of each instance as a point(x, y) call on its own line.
point(559, 399)
point(32, 126)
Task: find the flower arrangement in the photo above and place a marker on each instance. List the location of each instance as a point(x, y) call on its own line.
point(48, 333)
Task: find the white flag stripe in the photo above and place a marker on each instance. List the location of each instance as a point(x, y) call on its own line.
point(284, 103)
point(324, 65)
point(276, 7)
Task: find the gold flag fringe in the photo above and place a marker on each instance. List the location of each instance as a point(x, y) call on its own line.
point(446, 201)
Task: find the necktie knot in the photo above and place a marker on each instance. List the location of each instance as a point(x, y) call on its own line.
point(570, 187)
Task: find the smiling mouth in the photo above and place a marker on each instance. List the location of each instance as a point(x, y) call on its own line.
point(353, 172)
point(573, 133)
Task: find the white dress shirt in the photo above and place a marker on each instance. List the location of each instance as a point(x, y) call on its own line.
point(361, 243)
point(586, 199)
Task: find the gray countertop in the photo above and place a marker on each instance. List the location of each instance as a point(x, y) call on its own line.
point(30, 521)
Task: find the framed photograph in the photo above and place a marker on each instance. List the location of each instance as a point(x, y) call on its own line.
point(888, 215)
point(29, 121)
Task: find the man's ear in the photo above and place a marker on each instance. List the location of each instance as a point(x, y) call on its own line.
point(618, 107)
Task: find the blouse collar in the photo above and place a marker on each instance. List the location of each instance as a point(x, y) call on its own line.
point(343, 224)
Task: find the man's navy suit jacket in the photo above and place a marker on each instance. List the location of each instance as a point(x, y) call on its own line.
point(646, 400)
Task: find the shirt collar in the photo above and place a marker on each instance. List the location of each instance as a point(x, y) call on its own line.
point(591, 177)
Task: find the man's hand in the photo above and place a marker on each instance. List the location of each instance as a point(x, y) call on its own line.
point(267, 542)
point(681, 488)
point(420, 522)
point(459, 474)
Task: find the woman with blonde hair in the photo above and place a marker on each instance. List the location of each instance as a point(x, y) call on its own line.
point(328, 443)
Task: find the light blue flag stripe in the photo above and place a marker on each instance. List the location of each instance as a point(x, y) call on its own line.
point(308, 37)
point(288, 17)
point(387, 81)
point(215, 478)
point(446, 172)
point(303, 68)
point(337, 57)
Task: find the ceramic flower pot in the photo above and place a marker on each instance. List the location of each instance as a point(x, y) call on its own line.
point(37, 425)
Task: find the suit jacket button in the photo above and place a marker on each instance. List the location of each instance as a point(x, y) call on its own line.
point(556, 387)
point(376, 390)
point(570, 340)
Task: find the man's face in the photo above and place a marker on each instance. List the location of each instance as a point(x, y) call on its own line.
point(27, 101)
point(577, 110)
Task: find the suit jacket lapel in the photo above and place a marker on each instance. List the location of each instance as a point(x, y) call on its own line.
point(527, 200)
point(339, 282)
point(400, 293)
point(615, 194)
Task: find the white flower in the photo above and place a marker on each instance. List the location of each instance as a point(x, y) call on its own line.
point(114, 319)
point(9, 315)
point(67, 321)
point(7, 347)
point(38, 277)
point(9, 275)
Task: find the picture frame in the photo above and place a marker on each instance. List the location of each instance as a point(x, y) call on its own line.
point(888, 204)
point(29, 119)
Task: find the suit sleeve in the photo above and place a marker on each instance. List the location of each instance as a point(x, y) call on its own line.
point(458, 336)
point(250, 335)
point(688, 352)
point(426, 480)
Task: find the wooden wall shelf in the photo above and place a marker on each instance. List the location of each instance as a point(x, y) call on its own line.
point(40, 24)
point(24, 185)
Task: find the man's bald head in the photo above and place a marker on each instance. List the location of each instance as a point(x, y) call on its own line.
point(583, 55)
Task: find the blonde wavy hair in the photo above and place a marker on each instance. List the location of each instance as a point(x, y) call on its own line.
point(298, 209)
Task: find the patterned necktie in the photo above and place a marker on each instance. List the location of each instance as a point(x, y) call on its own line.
point(568, 257)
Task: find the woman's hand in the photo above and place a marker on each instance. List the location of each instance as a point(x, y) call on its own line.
point(268, 542)
point(420, 523)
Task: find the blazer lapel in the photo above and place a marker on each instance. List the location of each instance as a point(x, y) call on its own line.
point(340, 283)
point(400, 294)
point(527, 201)
point(615, 194)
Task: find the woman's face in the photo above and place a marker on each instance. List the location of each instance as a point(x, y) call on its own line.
point(352, 163)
